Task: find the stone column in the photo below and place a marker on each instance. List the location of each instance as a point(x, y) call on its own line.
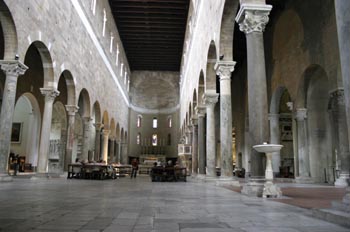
point(194, 145)
point(86, 137)
point(224, 70)
point(124, 153)
point(105, 145)
point(210, 99)
point(12, 69)
point(340, 139)
point(252, 19)
point(303, 154)
point(200, 110)
point(275, 139)
point(189, 142)
point(189, 134)
point(98, 127)
point(342, 9)
point(71, 110)
point(50, 94)
point(119, 152)
point(111, 151)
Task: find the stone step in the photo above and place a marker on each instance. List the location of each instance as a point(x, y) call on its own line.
point(332, 215)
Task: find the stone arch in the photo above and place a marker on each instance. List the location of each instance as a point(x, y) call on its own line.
point(58, 138)
point(194, 102)
point(316, 98)
point(96, 112)
point(30, 117)
point(47, 67)
point(227, 29)
point(105, 120)
point(117, 132)
point(66, 86)
point(84, 103)
point(112, 128)
point(201, 88)
point(9, 44)
point(125, 136)
point(210, 73)
point(276, 98)
point(122, 135)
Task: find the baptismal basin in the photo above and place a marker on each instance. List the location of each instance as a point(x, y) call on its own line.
point(267, 148)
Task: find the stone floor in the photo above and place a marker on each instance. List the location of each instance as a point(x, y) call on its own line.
point(141, 205)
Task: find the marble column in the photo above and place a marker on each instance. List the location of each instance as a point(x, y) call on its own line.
point(303, 154)
point(98, 127)
point(275, 139)
point(50, 94)
point(111, 150)
point(12, 69)
point(119, 151)
point(124, 153)
point(342, 9)
point(189, 134)
point(194, 145)
point(210, 99)
point(200, 110)
point(71, 110)
point(224, 70)
point(105, 145)
point(340, 136)
point(252, 19)
point(189, 142)
point(86, 137)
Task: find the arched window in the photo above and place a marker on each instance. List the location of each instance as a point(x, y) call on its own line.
point(139, 121)
point(154, 140)
point(170, 122)
point(155, 122)
point(138, 139)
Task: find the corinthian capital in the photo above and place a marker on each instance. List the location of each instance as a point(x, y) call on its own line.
point(210, 98)
point(13, 67)
point(253, 17)
point(224, 69)
point(72, 109)
point(49, 93)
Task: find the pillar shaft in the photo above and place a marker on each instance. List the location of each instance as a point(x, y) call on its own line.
point(252, 20)
point(210, 100)
point(303, 154)
point(342, 9)
point(86, 137)
point(111, 151)
point(194, 146)
point(201, 139)
point(12, 70)
point(71, 110)
point(275, 139)
point(105, 145)
point(50, 94)
point(224, 70)
point(98, 127)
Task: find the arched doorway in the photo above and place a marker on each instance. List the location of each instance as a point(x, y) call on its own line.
point(26, 131)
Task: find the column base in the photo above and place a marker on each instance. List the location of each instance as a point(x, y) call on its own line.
point(5, 178)
point(342, 181)
point(254, 187)
point(271, 190)
point(227, 181)
point(304, 180)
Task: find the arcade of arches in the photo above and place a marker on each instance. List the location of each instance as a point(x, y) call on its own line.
point(75, 83)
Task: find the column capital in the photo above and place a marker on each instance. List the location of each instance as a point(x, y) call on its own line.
point(200, 111)
point(301, 114)
point(13, 67)
point(224, 69)
point(336, 99)
point(106, 132)
point(98, 126)
point(194, 121)
point(253, 17)
point(210, 99)
point(87, 119)
point(71, 109)
point(112, 138)
point(49, 93)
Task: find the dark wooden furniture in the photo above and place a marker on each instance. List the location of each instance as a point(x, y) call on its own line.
point(160, 174)
point(91, 171)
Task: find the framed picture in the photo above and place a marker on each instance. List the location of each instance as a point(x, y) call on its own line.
point(16, 132)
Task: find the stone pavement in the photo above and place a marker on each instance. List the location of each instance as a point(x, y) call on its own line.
point(141, 205)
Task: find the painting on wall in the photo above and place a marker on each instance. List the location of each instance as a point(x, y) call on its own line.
point(16, 132)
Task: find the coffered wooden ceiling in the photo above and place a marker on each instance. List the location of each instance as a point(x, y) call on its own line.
point(152, 32)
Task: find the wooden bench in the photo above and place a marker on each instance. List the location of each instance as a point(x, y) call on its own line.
point(160, 174)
